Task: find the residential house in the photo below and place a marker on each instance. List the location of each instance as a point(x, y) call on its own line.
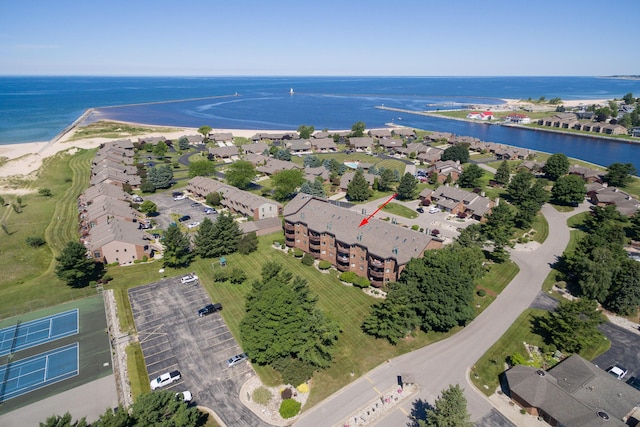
point(625, 203)
point(363, 143)
point(635, 132)
point(152, 140)
point(223, 137)
point(588, 174)
point(234, 199)
point(404, 132)
point(379, 133)
point(517, 118)
point(391, 144)
point(574, 393)
point(120, 241)
point(322, 134)
point(102, 210)
point(196, 139)
point(102, 189)
point(511, 153)
point(299, 147)
point(273, 166)
point(457, 201)
point(532, 166)
point(610, 129)
point(226, 153)
point(275, 137)
point(439, 137)
point(347, 177)
point(446, 170)
point(554, 120)
point(431, 155)
point(113, 176)
point(310, 174)
point(378, 250)
point(107, 163)
point(255, 148)
point(480, 115)
point(323, 145)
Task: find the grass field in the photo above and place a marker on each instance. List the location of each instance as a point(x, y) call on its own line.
point(398, 209)
point(106, 129)
point(55, 219)
point(493, 282)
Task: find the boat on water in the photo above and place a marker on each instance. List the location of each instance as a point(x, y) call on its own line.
point(291, 91)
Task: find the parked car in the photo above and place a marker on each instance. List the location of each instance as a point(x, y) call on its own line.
point(189, 278)
point(634, 382)
point(165, 379)
point(208, 211)
point(193, 224)
point(433, 210)
point(185, 396)
point(180, 197)
point(195, 205)
point(177, 193)
point(209, 308)
point(238, 358)
point(420, 210)
point(184, 218)
point(617, 371)
point(138, 199)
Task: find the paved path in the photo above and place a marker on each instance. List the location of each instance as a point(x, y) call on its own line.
point(449, 361)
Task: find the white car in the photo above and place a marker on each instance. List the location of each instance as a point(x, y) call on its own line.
point(165, 379)
point(238, 358)
point(185, 396)
point(434, 210)
point(181, 197)
point(189, 278)
point(193, 224)
point(617, 371)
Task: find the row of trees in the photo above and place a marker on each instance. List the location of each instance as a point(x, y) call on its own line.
point(434, 293)
point(284, 328)
point(358, 189)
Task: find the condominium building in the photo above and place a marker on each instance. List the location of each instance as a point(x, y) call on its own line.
point(377, 250)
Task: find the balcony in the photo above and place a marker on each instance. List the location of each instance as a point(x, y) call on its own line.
point(342, 267)
point(375, 282)
point(288, 226)
point(289, 231)
point(313, 239)
point(314, 251)
point(378, 274)
point(314, 246)
point(376, 262)
point(342, 247)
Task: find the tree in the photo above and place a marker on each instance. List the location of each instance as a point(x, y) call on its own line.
point(305, 131)
point(204, 239)
point(569, 189)
point(499, 228)
point(283, 154)
point(201, 168)
point(286, 182)
point(177, 251)
point(358, 189)
point(183, 143)
point(619, 174)
point(312, 161)
point(458, 152)
point(470, 176)
point(573, 326)
point(162, 408)
point(160, 149)
point(219, 238)
point(147, 187)
point(160, 176)
point(213, 199)
point(357, 129)
point(449, 410)
point(518, 189)
point(248, 243)
point(624, 297)
point(240, 174)
point(314, 188)
point(556, 166)
point(204, 131)
point(74, 266)
point(386, 178)
point(407, 187)
point(629, 99)
point(394, 318)
point(148, 207)
point(64, 421)
point(335, 167)
point(503, 173)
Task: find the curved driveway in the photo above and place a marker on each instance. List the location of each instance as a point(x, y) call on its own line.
point(448, 362)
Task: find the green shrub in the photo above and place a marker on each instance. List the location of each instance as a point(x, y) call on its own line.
point(34, 241)
point(308, 259)
point(361, 282)
point(415, 227)
point(106, 278)
point(297, 252)
point(348, 276)
point(45, 192)
point(237, 276)
point(137, 261)
point(293, 371)
point(145, 258)
point(220, 275)
point(289, 408)
point(481, 293)
point(324, 265)
point(261, 395)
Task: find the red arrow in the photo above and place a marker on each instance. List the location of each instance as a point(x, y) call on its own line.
point(366, 220)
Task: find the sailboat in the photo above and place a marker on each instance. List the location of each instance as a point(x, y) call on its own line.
point(291, 91)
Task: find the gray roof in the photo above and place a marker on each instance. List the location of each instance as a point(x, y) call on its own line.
point(116, 230)
point(231, 195)
point(226, 151)
point(103, 189)
point(255, 148)
point(380, 133)
point(104, 205)
point(361, 141)
point(276, 165)
point(299, 145)
point(347, 177)
point(323, 144)
point(381, 238)
point(221, 136)
point(573, 391)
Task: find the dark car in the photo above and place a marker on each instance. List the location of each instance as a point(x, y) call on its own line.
point(420, 210)
point(195, 205)
point(634, 382)
point(209, 308)
point(184, 218)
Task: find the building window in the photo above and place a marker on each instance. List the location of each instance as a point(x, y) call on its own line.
point(323, 252)
point(117, 250)
point(96, 254)
point(125, 249)
point(387, 270)
point(352, 265)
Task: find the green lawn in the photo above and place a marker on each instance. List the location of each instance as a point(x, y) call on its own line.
point(497, 277)
point(398, 209)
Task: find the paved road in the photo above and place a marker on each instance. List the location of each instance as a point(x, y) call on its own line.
point(448, 361)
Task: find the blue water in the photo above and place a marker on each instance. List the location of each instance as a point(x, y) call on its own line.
point(38, 108)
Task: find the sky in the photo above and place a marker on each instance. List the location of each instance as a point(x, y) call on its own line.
point(319, 38)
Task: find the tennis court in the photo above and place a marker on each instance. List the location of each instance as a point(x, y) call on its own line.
point(36, 332)
point(38, 371)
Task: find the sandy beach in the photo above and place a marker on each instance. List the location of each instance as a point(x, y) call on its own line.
point(26, 158)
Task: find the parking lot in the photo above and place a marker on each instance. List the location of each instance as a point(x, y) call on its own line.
point(167, 206)
point(623, 351)
point(173, 336)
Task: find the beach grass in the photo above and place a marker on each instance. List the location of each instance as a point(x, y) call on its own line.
point(108, 129)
